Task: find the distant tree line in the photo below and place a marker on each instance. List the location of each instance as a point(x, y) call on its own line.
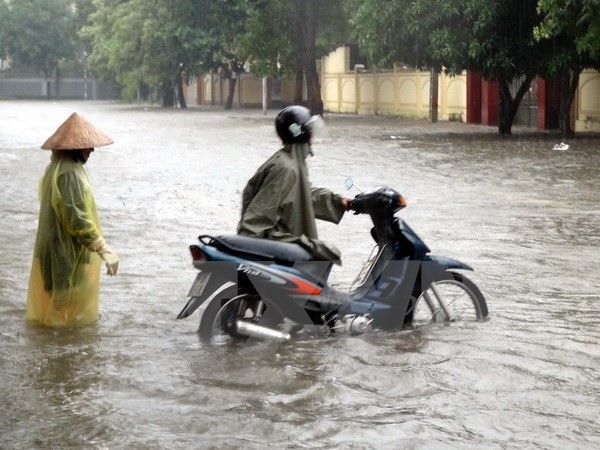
point(141, 45)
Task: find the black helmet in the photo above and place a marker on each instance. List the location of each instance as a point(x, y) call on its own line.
point(293, 125)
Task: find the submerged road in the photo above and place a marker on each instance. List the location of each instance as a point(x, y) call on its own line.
point(525, 216)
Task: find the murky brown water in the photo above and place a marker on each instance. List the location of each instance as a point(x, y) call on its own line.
point(525, 216)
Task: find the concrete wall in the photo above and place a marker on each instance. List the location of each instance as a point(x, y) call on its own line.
point(397, 92)
point(391, 92)
point(212, 89)
point(71, 88)
point(587, 102)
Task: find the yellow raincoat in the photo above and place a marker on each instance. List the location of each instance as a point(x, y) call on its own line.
point(65, 275)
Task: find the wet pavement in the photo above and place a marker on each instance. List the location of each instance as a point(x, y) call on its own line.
point(525, 216)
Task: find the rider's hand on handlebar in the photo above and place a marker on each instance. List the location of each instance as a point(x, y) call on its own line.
point(346, 203)
point(352, 206)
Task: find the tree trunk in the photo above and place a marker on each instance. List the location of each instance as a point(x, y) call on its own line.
point(433, 94)
point(48, 75)
point(57, 83)
point(299, 88)
point(180, 93)
point(232, 83)
point(307, 20)
point(508, 105)
point(568, 86)
point(168, 94)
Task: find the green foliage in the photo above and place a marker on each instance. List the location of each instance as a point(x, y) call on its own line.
point(37, 33)
point(419, 34)
point(138, 43)
point(380, 30)
point(4, 20)
point(494, 37)
point(590, 41)
point(269, 39)
point(572, 29)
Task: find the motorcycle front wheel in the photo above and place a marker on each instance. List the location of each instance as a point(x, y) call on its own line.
point(218, 324)
point(452, 299)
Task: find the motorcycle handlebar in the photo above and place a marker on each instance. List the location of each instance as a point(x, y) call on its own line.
point(356, 205)
point(376, 202)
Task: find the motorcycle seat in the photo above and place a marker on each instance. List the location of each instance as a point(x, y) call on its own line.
point(260, 249)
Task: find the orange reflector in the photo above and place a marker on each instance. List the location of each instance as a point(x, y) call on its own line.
point(305, 287)
point(402, 201)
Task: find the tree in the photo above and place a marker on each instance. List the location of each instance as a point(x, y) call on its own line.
point(286, 38)
point(505, 50)
point(226, 25)
point(38, 34)
point(425, 34)
point(144, 44)
point(4, 21)
point(115, 33)
point(139, 43)
point(493, 37)
point(590, 15)
point(162, 43)
point(267, 41)
point(570, 28)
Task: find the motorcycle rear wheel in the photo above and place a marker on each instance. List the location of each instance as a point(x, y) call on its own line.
point(219, 319)
point(451, 299)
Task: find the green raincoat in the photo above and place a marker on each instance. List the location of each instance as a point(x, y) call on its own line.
point(279, 203)
point(65, 275)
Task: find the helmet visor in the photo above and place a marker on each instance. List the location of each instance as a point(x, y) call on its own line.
point(316, 126)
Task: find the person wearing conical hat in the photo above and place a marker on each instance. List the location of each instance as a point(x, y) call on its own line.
point(69, 246)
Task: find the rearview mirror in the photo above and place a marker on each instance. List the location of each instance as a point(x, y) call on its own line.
point(348, 183)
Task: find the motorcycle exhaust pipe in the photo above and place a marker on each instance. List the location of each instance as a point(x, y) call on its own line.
point(258, 331)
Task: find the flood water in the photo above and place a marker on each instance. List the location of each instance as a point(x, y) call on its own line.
point(525, 216)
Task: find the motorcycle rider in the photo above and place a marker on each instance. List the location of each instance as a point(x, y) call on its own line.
point(279, 202)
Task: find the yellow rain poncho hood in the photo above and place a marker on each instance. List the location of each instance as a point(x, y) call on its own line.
point(65, 275)
point(279, 203)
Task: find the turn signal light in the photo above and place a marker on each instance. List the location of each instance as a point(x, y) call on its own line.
point(402, 201)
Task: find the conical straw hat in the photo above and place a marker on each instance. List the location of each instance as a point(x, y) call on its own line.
point(76, 133)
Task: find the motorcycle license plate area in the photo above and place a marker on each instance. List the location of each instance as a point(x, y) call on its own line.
point(199, 284)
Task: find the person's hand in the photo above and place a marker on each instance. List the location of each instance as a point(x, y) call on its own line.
point(106, 253)
point(111, 260)
point(345, 203)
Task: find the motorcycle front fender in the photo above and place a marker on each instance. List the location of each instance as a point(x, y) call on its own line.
point(213, 288)
point(448, 263)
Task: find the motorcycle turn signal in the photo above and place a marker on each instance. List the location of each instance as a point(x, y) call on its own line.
point(402, 201)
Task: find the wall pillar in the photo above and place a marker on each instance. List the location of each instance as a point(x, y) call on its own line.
point(548, 95)
point(489, 102)
point(474, 81)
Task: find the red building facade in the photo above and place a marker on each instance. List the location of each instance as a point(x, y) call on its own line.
point(482, 101)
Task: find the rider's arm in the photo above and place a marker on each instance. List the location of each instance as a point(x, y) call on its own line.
point(327, 205)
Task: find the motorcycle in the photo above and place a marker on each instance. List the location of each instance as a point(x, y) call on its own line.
point(258, 288)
